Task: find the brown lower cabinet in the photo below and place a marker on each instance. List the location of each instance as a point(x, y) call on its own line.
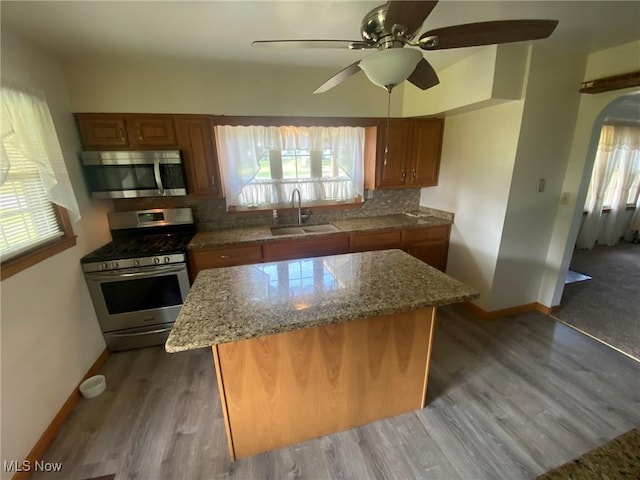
point(433, 253)
point(202, 259)
point(363, 241)
point(429, 244)
point(305, 247)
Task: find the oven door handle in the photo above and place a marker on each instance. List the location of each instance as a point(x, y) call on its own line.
point(156, 173)
point(138, 334)
point(150, 272)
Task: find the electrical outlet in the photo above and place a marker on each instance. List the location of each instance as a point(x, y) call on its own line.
point(540, 185)
point(565, 198)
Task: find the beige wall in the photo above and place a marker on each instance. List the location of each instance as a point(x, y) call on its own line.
point(478, 155)
point(49, 332)
point(164, 86)
point(490, 76)
point(492, 159)
point(551, 105)
point(622, 59)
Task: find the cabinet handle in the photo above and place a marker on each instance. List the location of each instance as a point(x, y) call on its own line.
point(122, 134)
point(414, 174)
point(404, 174)
point(139, 134)
point(213, 180)
point(225, 256)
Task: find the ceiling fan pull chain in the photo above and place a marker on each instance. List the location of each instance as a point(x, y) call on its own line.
point(386, 134)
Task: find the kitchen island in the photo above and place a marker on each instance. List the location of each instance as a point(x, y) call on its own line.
point(308, 347)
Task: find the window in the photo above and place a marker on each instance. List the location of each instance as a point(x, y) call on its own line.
point(262, 166)
point(34, 184)
point(613, 188)
point(615, 182)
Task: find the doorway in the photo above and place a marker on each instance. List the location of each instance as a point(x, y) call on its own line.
point(606, 307)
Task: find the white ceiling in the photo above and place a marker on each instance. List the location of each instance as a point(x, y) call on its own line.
point(223, 30)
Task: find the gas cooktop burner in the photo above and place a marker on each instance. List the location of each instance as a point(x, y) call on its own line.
point(140, 246)
point(142, 239)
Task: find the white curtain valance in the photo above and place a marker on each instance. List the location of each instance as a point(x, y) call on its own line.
point(27, 130)
point(241, 147)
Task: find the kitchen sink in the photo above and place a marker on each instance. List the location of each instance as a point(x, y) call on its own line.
point(287, 231)
point(325, 228)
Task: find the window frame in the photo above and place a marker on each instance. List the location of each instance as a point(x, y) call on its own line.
point(41, 252)
point(370, 153)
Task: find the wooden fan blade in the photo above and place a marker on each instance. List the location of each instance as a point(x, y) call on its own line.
point(339, 77)
point(424, 76)
point(488, 33)
point(410, 14)
point(350, 44)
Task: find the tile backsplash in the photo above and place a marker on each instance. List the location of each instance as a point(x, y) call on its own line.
point(211, 214)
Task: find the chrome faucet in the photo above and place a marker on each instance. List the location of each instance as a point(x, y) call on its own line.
point(293, 199)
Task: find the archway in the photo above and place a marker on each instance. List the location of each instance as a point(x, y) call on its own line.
point(590, 307)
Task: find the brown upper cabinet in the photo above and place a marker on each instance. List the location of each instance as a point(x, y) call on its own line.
point(410, 156)
point(111, 131)
point(196, 140)
point(152, 131)
point(192, 134)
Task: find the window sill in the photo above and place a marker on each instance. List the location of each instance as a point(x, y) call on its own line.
point(267, 211)
point(629, 207)
point(22, 262)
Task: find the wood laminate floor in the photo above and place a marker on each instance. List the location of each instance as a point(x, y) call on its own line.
point(509, 398)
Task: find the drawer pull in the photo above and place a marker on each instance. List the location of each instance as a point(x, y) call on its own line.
point(225, 256)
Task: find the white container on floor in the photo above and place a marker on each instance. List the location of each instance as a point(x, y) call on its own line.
point(93, 386)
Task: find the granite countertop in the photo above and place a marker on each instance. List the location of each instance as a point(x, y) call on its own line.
point(236, 303)
point(235, 236)
point(617, 459)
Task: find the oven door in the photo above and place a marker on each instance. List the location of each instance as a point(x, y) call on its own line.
point(142, 297)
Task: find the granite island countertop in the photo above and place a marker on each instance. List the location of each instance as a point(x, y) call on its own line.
point(236, 303)
point(238, 236)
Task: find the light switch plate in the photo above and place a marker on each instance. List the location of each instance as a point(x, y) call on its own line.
point(540, 186)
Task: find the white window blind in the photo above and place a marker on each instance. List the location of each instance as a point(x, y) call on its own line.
point(27, 217)
point(33, 174)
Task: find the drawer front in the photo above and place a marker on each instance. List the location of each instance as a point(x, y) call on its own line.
point(306, 247)
point(361, 242)
point(413, 235)
point(227, 257)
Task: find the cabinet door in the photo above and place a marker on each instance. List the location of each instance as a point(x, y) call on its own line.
point(196, 140)
point(306, 247)
point(363, 242)
point(429, 244)
point(152, 130)
point(102, 131)
point(434, 253)
point(392, 166)
point(425, 154)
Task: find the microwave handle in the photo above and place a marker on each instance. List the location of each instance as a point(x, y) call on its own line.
point(156, 173)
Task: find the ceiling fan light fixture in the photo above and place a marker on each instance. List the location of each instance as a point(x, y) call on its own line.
point(388, 68)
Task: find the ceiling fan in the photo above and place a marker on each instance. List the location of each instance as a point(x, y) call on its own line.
point(392, 26)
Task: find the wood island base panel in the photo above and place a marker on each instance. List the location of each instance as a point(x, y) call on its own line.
point(281, 389)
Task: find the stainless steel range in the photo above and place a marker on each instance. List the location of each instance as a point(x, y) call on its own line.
point(139, 281)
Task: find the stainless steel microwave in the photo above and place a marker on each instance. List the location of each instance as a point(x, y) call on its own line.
point(129, 174)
